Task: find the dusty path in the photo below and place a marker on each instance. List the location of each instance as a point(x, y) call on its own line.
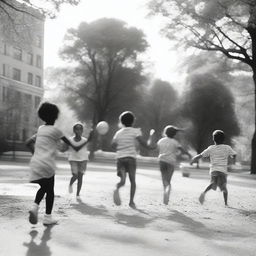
point(95, 226)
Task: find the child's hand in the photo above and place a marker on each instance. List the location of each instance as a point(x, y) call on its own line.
point(151, 133)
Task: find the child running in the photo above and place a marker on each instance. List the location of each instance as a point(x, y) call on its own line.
point(43, 146)
point(169, 148)
point(219, 154)
point(124, 141)
point(78, 159)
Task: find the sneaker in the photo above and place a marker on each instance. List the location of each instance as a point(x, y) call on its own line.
point(201, 198)
point(116, 197)
point(49, 220)
point(70, 189)
point(33, 214)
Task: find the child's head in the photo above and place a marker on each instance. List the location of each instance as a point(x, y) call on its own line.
point(218, 136)
point(48, 112)
point(170, 131)
point(78, 128)
point(127, 118)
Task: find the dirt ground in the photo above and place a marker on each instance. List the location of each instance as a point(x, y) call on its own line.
point(95, 226)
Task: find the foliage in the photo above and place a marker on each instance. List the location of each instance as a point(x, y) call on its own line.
point(163, 105)
point(106, 76)
point(210, 106)
point(46, 7)
point(225, 26)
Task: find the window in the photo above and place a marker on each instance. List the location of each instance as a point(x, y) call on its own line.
point(30, 58)
point(17, 96)
point(17, 53)
point(38, 41)
point(5, 49)
point(16, 74)
point(4, 94)
point(28, 99)
point(4, 70)
point(30, 78)
point(38, 61)
point(24, 134)
point(37, 101)
point(38, 81)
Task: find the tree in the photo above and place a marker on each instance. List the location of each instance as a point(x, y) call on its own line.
point(107, 75)
point(209, 105)
point(8, 8)
point(224, 26)
point(163, 106)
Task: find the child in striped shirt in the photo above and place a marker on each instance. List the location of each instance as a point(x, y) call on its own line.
point(219, 154)
point(124, 141)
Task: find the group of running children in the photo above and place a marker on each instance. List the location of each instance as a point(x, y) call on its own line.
point(44, 146)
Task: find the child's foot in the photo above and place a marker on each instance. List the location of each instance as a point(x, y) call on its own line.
point(33, 214)
point(116, 197)
point(201, 198)
point(49, 220)
point(78, 198)
point(132, 205)
point(70, 189)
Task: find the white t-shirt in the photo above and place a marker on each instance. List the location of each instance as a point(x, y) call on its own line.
point(125, 139)
point(80, 155)
point(168, 150)
point(42, 163)
point(218, 157)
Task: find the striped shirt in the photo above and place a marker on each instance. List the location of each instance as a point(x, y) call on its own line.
point(218, 157)
point(125, 139)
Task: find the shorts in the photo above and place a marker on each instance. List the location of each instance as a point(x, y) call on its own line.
point(167, 170)
point(126, 164)
point(218, 179)
point(78, 166)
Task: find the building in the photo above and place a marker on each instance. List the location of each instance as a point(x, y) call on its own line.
point(21, 73)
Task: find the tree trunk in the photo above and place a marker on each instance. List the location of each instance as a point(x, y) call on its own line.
point(253, 144)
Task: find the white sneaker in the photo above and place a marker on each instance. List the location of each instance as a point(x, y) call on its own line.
point(33, 214)
point(70, 189)
point(49, 220)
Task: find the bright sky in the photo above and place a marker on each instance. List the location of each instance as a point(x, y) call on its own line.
point(133, 12)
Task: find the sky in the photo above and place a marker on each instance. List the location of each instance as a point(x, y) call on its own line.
point(163, 60)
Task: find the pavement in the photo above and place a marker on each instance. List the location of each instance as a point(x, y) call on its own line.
point(95, 226)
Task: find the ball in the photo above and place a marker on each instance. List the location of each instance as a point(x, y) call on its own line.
point(102, 127)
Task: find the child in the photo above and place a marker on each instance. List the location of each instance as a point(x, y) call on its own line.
point(78, 159)
point(168, 151)
point(125, 143)
point(43, 145)
point(219, 154)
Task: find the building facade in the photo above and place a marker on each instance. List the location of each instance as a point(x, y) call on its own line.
point(21, 74)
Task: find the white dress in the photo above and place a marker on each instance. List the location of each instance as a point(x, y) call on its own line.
point(42, 163)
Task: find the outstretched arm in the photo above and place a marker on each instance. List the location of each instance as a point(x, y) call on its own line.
point(145, 144)
point(30, 143)
point(76, 148)
point(195, 159)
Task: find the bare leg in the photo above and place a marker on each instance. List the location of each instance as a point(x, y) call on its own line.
point(225, 195)
point(133, 189)
point(202, 196)
point(79, 183)
point(116, 196)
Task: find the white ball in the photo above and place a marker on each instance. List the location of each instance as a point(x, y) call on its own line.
point(102, 127)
